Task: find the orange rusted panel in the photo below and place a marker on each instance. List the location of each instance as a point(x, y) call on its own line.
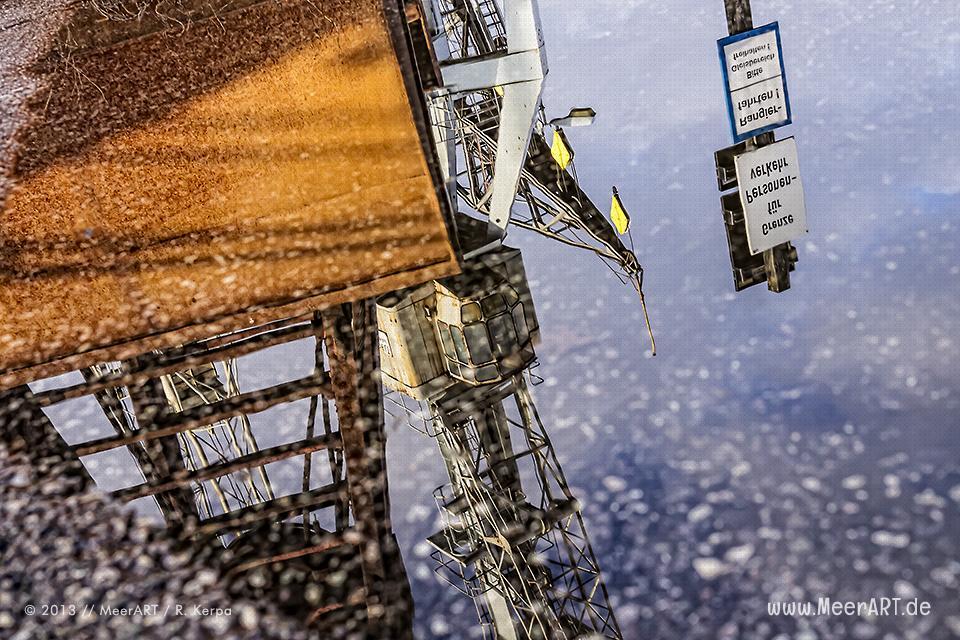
point(192, 173)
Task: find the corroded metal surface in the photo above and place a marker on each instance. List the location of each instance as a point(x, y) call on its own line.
point(204, 167)
point(317, 545)
point(58, 545)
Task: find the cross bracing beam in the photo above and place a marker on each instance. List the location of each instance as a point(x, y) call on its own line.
point(179, 359)
point(273, 509)
point(246, 403)
point(256, 459)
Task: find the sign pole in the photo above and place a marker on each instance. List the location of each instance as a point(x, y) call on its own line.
point(739, 18)
point(776, 260)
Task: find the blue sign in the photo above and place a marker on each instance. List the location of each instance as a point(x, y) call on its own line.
point(755, 82)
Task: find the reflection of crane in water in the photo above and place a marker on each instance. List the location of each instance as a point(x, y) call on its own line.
point(479, 106)
point(219, 442)
point(548, 198)
point(514, 539)
point(322, 548)
point(456, 354)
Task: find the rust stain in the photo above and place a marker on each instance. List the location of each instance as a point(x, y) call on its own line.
point(301, 183)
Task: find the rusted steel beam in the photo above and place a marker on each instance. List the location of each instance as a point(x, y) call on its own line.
point(272, 510)
point(332, 541)
point(257, 459)
point(273, 159)
point(345, 372)
point(179, 359)
point(245, 403)
point(353, 353)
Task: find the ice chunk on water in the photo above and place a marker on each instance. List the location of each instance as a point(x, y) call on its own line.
point(614, 484)
point(699, 513)
point(710, 568)
point(884, 538)
point(739, 555)
point(854, 482)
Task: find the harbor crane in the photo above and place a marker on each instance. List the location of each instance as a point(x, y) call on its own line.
point(452, 354)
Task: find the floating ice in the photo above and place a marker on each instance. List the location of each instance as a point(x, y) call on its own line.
point(710, 568)
point(855, 482)
point(739, 555)
point(883, 538)
point(699, 513)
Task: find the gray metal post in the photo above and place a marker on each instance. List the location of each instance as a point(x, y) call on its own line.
point(739, 17)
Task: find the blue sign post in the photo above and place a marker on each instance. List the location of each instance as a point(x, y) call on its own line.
point(755, 81)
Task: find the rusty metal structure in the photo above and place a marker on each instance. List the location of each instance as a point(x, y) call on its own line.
point(154, 191)
point(454, 351)
point(326, 551)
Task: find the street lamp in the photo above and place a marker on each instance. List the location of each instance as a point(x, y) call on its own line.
point(578, 117)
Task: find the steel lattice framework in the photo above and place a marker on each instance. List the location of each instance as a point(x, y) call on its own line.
point(514, 538)
point(186, 423)
point(550, 199)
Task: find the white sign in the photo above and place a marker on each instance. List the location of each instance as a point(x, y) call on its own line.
point(757, 99)
point(771, 194)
